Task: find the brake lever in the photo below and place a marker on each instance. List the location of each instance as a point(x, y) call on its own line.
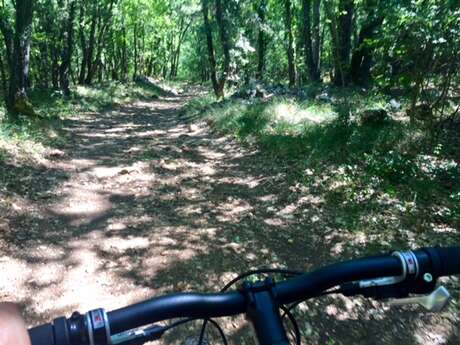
point(139, 336)
point(434, 302)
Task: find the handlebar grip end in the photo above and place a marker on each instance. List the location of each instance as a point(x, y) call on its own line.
point(42, 335)
point(450, 260)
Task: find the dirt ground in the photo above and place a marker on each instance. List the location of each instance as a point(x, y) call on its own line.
point(141, 202)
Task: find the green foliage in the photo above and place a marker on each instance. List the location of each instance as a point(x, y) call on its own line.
point(392, 166)
point(420, 44)
point(29, 139)
point(361, 169)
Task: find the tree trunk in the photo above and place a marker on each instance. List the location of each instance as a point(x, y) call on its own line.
point(66, 58)
point(222, 23)
point(290, 40)
point(316, 41)
point(54, 66)
point(135, 51)
point(90, 49)
point(44, 64)
point(210, 44)
point(307, 37)
point(344, 33)
point(3, 76)
point(104, 19)
point(124, 54)
point(361, 60)
point(261, 39)
point(17, 45)
point(8, 38)
point(182, 33)
point(84, 48)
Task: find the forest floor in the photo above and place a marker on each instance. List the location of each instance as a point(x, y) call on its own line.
point(138, 201)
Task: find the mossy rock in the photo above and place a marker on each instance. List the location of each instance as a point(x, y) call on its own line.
point(23, 106)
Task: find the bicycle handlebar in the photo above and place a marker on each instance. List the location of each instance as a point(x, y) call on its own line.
point(409, 267)
point(228, 304)
point(191, 305)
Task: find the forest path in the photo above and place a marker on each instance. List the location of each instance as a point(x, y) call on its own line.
point(142, 203)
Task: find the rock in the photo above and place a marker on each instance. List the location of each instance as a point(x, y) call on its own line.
point(142, 79)
point(56, 154)
point(260, 92)
point(324, 97)
point(394, 105)
point(374, 116)
point(23, 106)
point(124, 172)
point(193, 128)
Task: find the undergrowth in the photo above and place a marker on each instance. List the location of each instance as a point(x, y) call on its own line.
point(372, 177)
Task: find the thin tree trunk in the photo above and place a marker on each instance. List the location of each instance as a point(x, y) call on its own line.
point(261, 39)
point(182, 34)
point(124, 55)
point(84, 48)
point(3, 76)
point(8, 38)
point(316, 41)
point(344, 33)
point(210, 44)
point(307, 38)
point(91, 42)
point(135, 51)
point(66, 58)
point(338, 67)
point(104, 20)
point(221, 22)
point(290, 40)
point(54, 66)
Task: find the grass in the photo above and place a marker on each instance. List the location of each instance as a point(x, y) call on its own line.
point(389, 177)
point(31, 137)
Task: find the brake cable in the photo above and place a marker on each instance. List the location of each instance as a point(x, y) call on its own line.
point(325, 293)
point(295, 325)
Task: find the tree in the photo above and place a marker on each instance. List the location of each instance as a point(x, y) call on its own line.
point(218, 84)
point(311, 37)
point(341, 27)
point(261, 38)
point(290, 42)
point(66, 56)
point(17, 45)
point(361, 61)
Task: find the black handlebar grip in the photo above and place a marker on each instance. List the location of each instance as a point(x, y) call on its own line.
point(42, 335)
point(450, 261)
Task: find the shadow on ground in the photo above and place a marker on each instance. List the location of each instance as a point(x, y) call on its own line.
point(144, 203)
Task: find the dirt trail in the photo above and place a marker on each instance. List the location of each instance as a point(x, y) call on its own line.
point(143, 202)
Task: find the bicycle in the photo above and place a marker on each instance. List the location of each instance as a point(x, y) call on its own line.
point(394, 276)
